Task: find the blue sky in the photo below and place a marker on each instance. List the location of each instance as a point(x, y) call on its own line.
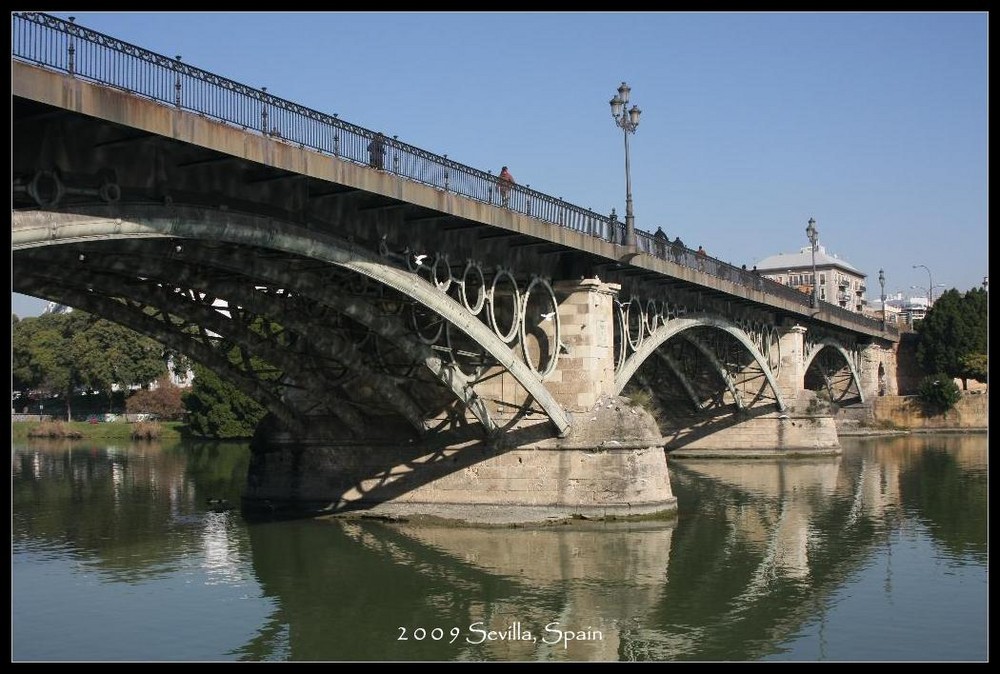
point(873, 123)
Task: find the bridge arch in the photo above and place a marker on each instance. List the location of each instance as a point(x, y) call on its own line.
point(676, 326)
point(44, 228)
point(827, 345)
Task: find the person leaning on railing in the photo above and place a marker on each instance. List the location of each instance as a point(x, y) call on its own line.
point(376, 152)
point(504, 182)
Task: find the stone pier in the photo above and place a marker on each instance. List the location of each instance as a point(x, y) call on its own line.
point(610, 464)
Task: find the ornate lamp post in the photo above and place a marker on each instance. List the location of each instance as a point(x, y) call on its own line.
point(813, 235)
point(881, 282)
point(930, 285)
point(627, 121)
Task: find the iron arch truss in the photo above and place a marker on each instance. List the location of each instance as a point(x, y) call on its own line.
point(830, 365)
point(307, 264)
point(698, 329)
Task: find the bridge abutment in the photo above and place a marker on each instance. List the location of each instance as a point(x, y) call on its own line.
point(797, 431)
point(612, 465)
point(878, 371)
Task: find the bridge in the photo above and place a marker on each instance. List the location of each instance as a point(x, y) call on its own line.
point(424, 341)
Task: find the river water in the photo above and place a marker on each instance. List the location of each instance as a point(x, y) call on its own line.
point(879, 554)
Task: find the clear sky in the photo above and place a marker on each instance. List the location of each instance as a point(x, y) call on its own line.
point(873, 123)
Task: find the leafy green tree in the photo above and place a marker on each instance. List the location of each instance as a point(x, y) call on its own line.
point(58, 353)
point(977, 366)
point(939, 392)
point(40, 359)
point(217, 409)
point(974, 363)
point(110, 355)
point(953, 336)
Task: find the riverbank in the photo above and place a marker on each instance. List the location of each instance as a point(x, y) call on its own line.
point(863, 432)
point(901, 415)
point(82, 430)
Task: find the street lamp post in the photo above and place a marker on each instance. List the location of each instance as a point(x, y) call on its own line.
point(813, 235)
point(927, 291)
point(930, 285)
point(881, 282)
point(627, 121)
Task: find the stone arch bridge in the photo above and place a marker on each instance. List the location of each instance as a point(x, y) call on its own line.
point(421, 347)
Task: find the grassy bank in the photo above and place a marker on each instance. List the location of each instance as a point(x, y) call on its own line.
point(118, 430)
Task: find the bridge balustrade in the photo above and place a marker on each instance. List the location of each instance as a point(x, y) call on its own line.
point(53, 43)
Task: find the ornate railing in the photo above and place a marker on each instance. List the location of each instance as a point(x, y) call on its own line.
point(61, 45)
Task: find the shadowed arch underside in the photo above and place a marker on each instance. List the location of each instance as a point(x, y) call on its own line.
point(694, 344)
point(341, 313)
point(831, 368)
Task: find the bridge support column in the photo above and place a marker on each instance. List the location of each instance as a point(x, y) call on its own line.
point(612, 466)
point(586, 370)
point(878, 371)
point(791, 374)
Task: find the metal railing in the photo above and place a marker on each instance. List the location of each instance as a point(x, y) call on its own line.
point(63, 46)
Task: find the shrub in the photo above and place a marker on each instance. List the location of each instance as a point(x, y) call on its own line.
point(163, 401)
point(641, 397)
point(939, 393)
point(54, 429)
point(145, 430)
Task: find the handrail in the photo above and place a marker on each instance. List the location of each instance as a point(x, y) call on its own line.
point(64, 46)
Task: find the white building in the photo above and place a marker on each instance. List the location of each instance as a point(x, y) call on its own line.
point(55, 308)
point(909, 309)
point(838, 281)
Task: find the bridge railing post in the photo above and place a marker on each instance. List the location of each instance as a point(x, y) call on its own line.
point(336, 138)
point(263, 111)
point(177, 82)
point(71, 52)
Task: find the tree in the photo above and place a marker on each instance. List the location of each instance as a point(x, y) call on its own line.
point(164, 400)
point(217, 409)
point(40, 359)
point(59, 353)
point(111, 356)
point(939, 392)
point(953, 336)
point(977, 366)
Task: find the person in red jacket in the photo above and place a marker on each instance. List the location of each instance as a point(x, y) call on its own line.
point(504, 182)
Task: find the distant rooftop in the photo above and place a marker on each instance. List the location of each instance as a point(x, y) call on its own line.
point(803, 259)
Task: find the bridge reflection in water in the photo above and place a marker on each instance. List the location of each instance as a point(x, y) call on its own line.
point(754, 562)
point(758, 549)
